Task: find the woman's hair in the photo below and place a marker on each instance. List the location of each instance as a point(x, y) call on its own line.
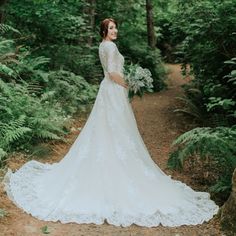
point(104, 26)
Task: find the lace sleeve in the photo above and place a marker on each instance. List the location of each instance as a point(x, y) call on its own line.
point(110, 52)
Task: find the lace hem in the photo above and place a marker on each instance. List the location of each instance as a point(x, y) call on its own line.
point(20, 187)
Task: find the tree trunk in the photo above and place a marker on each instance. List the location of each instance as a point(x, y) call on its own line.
point(150, 24)
point(92, 19)
point(2, 2)
point(90, 11)
point(228, 211)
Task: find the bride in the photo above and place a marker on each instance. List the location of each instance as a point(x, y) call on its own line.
point(108, 173)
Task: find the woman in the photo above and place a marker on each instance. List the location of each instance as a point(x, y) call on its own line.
point(108, 173)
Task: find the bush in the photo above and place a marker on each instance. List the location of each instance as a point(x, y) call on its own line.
point(25, 119)
point(72, 91)
point(35, 103)
point(150, 59)
point(209, 47)
point(218, 144)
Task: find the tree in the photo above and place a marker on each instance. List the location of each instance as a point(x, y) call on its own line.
point(150, 24)
point(90, 11)
point(2, 2)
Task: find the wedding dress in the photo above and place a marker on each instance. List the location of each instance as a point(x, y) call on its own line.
point(108, 173)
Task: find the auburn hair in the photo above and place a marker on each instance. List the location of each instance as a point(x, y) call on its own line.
point(104, 26)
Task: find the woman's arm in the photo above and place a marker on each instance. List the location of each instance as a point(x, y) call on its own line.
point(116, 77)
point(111, 53)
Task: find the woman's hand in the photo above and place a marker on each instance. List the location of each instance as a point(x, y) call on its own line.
point(122, 83)
point(116, 77)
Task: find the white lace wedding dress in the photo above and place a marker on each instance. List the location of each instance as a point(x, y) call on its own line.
point(108, 173)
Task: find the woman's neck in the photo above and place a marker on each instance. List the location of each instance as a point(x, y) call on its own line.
point(107, 40)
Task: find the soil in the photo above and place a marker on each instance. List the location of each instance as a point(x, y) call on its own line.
point(159, 126)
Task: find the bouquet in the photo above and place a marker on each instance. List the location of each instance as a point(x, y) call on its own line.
point(139, 80)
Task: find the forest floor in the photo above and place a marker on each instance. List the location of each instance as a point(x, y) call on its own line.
point(159, 126)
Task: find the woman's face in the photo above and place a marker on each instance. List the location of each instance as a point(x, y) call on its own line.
point(112, 31)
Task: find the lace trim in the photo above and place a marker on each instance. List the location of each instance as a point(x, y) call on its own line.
point(110, 57)
point(20, 187)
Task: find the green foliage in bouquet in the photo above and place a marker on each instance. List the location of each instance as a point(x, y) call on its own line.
point(139, 80)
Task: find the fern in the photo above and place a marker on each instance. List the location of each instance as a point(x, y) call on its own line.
point(193, 104)
point(34, 87)
point(45, 134)
point(7, 70)
point(34, 63)
point(191, 109)
point(37, 61)
point(4, 88)
point(12, 131)
point(25, 119)
point(5, 28)
point(15, 134)
point(2, 154)
point(5, 45)
point(223, 184)
point(35, 103)
point(75, 89)
point(217, 143)
point(14, 63)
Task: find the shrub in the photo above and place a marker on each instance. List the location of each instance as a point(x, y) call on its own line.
point(217, 143)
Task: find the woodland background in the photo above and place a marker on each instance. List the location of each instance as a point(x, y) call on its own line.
point(50, 71)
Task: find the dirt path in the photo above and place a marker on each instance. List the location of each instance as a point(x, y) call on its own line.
point(159, 126)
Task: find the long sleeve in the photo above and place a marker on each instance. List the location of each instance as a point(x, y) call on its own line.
point(111, 53)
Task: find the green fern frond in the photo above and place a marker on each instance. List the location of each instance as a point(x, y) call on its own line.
point(6, 44)
point(13, 130)
point(5, 28)
point(13, 135)
point(4, 88)
point(41, 60)
point(208, 141)
point(224, 184)
point(34, 87)
point(2, 154)
point(7, 70)
point(191, 108)
point(45, 134)
point(217, 143)
point(190, 135)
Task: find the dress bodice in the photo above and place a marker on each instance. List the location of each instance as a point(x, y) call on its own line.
point(110, 57)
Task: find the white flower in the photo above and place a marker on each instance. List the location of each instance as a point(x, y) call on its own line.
point(138, 79)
